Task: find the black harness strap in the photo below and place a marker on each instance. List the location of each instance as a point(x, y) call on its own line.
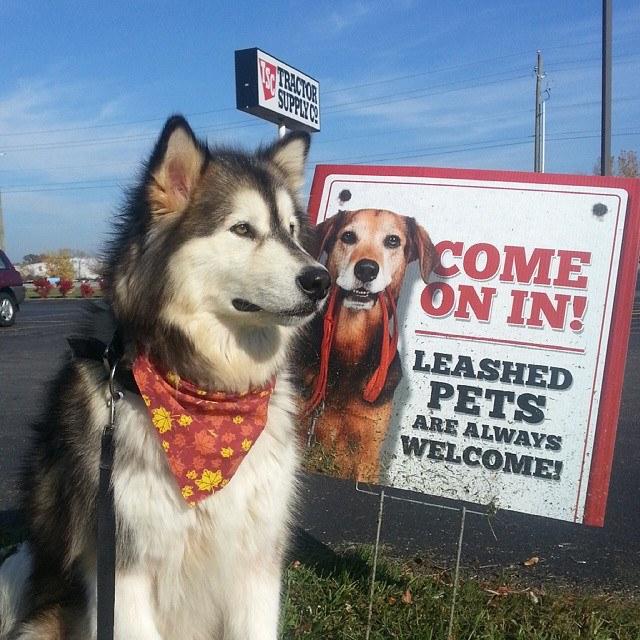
point(106, 547)
point(93, 349)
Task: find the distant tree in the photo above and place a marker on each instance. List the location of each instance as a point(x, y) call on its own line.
point(32, 258)
point(626, 165)
point(59, 265)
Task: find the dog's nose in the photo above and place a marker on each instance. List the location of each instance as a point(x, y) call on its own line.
point(315, 282)
point(366, 270)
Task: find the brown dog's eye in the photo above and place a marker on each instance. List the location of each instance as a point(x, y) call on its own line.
point(392, 242)
point(349, 237)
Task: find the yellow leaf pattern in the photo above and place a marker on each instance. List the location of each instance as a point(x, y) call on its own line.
point(209, 480)
point(161, 419)
point(184, 420)
point(173, 379)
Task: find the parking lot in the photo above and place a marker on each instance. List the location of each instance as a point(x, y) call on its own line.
point(333, 512)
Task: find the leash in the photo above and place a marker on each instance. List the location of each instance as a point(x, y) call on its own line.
point(106, 540)
point(328, 327)
point(388, 350)
point(110, 355)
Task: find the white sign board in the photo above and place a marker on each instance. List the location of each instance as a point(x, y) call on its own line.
point(502, 349)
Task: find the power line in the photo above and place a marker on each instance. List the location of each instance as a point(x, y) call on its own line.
point(389, 131)
point(193, 114)
point(243, 124)
point(130, 138)
point(469, 147)
point(393, 156)
point(332, 108)
point(357, 105)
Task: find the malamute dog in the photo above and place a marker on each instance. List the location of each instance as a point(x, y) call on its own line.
point(208, 281)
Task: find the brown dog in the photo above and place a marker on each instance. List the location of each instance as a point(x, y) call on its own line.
point(356, 366)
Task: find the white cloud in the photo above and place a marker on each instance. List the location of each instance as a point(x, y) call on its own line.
point(348, 16)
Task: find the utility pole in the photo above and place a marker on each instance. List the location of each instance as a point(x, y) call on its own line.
point(1, 225)
point(605, 145)
point(543, 137)
point(2, 154)
point(537, 146)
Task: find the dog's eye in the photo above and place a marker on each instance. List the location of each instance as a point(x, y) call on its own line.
point(243, 229)
point(392, 242)
point(349, 237)
point(292, 228)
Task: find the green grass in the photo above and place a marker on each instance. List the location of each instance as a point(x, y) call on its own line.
point(324, 601)
point(326, 596)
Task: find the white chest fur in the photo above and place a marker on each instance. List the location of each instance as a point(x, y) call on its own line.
point(215, 565)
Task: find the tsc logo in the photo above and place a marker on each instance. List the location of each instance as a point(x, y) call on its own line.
point(268, 73)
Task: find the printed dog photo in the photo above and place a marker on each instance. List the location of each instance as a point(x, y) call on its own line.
point(353, 365)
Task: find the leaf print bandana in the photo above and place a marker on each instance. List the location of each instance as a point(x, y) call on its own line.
point(205, 435)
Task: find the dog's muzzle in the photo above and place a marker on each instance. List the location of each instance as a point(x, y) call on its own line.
point(366, 270)
point(314, 282)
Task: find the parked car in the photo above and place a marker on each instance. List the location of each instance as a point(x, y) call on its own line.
point(11, 291)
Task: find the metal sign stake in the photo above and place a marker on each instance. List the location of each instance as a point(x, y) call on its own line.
point(456, 577)
point(375, 565)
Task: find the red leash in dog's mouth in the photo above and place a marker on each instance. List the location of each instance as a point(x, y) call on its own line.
point(388, 350)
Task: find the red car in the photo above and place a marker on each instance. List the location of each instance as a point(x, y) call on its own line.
point(11, 291)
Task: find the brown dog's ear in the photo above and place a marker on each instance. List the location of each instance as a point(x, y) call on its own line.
point(327, 231)
point(175, 167)
point(421, 248)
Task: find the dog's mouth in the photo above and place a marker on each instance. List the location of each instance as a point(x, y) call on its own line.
point(297, 312)
point(244, 305)
point(361, 295)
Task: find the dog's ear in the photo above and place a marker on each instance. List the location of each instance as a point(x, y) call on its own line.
point(327, 231)
point(289, 154)
point(175, 167)
point(421, 248)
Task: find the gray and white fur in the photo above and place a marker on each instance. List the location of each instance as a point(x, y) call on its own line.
point(208, 274)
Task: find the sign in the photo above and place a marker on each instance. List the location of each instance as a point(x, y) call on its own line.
point(271, 89)
point(477, 336)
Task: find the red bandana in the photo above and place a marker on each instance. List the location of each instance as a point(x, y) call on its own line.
point(204, 435)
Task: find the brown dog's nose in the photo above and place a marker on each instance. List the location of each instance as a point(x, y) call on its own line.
point(366, 270)
point(315, 282)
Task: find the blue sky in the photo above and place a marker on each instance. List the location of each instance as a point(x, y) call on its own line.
point(86, 86)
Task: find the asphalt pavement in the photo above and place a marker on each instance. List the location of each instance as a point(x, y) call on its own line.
point(333, 512)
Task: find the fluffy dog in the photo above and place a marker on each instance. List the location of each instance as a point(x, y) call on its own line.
point(208, 282)
point(356, 365)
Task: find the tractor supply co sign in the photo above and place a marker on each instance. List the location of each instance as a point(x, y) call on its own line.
point(511, 350)
point(268, 88)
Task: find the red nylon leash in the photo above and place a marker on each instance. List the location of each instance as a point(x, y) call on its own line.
point(388, 350)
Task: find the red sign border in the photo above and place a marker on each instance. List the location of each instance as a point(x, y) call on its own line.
point(609, 410)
